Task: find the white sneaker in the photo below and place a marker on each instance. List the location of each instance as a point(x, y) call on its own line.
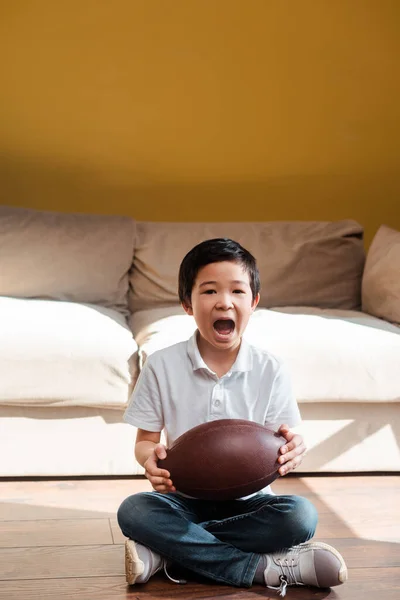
point(311, 563)
point(141, 563)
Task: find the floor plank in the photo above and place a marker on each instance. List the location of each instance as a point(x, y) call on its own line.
point(366, 554)
point(71, 499)
point(362, 524)
point(52, 532)
point(118, 536)
point(61, 561)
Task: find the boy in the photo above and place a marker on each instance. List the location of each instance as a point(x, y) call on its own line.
point(215, 375)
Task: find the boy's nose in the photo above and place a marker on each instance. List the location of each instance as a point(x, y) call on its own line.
point(224, 303)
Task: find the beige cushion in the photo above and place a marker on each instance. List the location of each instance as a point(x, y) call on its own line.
point(381, 280)
point(55, 353)
point(159, 328)
point(300, 263)
point(333, 355)
point(74, 257)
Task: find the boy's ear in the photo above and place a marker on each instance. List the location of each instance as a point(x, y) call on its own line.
point(187, 308)
point(255, 302)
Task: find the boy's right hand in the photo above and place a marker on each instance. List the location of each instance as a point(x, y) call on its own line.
point(159, 478)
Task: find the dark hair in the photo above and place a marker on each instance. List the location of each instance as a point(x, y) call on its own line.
point(211, 251)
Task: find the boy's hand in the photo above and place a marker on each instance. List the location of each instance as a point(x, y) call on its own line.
point(159, 478)
point(292, 452)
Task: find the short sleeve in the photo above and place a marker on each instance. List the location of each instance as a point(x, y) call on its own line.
point(283, 407)
point(145, 409)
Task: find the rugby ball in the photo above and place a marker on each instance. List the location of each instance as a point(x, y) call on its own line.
point(224, 459)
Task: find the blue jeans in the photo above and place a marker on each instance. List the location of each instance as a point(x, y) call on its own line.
point(219, 540)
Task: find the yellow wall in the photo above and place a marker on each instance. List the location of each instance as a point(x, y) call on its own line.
point(203, 109)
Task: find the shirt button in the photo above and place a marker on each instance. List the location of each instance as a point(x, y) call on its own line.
point(217, 403)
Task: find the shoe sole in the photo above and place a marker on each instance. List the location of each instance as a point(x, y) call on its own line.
point(134, 567)
point(343, 574)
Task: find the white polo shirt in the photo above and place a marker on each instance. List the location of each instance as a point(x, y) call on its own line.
point(177, 391)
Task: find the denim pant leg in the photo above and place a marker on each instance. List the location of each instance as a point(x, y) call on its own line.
point(169, 525)
point(264, 523)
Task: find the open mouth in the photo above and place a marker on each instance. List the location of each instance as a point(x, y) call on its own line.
point(224, 326)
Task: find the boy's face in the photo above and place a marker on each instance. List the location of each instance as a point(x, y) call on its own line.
point(221, 304)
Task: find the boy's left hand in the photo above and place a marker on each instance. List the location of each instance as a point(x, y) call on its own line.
point(292, 452)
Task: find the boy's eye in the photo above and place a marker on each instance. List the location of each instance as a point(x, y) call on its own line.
point(209, 292)
point(238, 292)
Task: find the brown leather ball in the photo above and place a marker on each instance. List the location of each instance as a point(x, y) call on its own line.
point(224, 460)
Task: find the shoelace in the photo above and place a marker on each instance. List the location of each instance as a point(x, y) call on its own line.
point(287, 576)
point(180, 581)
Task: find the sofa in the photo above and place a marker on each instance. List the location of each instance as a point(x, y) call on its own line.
point(85, 299)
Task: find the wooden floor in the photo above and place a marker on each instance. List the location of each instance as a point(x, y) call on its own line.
point(60, 540)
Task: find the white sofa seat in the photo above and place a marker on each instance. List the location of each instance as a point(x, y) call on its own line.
point(62, 354)
point(333, 355)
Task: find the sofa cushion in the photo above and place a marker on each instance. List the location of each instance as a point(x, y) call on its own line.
point(64, 354)
point(334, 355)
point(381, 279)
point(158, 328)
point(300, 263)
point(74, 257)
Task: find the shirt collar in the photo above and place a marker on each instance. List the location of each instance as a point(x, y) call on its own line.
point(243, 362)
